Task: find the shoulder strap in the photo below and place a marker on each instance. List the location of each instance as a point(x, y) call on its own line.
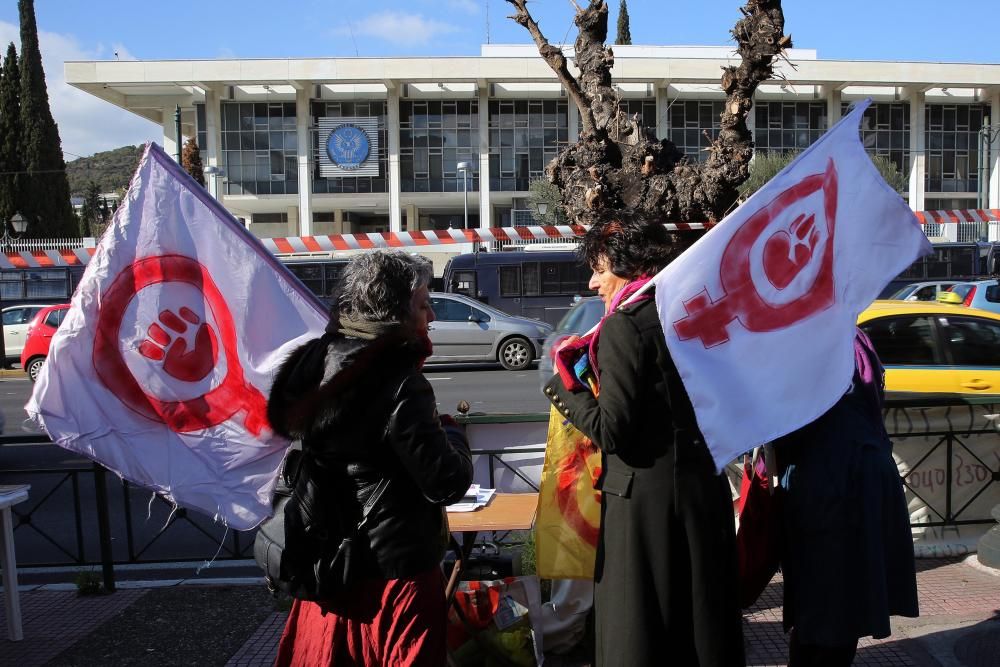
point(373, 499)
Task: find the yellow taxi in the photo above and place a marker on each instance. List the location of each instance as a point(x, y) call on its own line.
point(935, 347)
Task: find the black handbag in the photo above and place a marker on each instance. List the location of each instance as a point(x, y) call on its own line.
point(306, 550)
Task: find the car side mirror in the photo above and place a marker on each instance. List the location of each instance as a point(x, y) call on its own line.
point(473, 318)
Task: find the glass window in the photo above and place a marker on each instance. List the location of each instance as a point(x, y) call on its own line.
point(972, 342)
point(463, 282)
point(524, 136)
point(447, 310)
point(993, 293)
point(55, 317)
point(15, 316)
point(255, 156)
point(903, 341)
point(928, 293)
point(480, 316)
point(783, 126)
point(429, 157)
point(510, 281)
point(529, 276)
point(952, 138)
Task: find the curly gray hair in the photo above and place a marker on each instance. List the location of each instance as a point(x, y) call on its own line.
point(377, 285)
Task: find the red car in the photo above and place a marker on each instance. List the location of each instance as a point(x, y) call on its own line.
point(40, 332)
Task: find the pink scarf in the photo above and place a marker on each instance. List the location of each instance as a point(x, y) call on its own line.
point(569, 354)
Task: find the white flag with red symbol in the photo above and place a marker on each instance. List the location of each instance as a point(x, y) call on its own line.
point(161, 369)
point(759, 314)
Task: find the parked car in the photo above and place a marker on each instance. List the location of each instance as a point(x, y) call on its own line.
point(981, 294)
point(40, 332)
point(935, 347)
point(578, 320)
point(926, 291)
point(15, 328)
point(466, 330)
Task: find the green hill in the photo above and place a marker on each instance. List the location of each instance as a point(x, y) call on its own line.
point(111, 170)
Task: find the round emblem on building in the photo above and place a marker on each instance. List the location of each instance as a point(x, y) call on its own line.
point(348, 146)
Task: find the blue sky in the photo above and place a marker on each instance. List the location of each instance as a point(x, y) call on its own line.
point(957, 31)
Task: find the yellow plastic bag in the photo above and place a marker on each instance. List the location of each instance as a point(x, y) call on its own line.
point(568, 520)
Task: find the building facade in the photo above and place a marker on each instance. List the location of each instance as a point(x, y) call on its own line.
point(355, 145)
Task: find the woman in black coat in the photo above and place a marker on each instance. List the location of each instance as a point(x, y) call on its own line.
point(366, 417)
point(848, 550)
point(666, 572)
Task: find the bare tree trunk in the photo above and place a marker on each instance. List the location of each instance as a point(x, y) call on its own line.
point(617, 164)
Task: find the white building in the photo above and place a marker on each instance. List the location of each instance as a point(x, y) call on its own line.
point(398, 128)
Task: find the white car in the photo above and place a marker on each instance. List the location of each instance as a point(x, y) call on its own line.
point(15, 329)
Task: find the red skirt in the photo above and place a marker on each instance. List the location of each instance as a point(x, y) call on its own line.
point(385, 623)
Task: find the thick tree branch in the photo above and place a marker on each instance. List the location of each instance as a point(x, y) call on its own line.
point(619, 164)
point(555, 59)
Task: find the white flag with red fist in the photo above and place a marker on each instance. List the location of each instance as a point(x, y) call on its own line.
point(759, 314)
point(161, 368)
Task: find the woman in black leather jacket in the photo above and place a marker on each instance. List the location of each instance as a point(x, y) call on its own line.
point(364, 412)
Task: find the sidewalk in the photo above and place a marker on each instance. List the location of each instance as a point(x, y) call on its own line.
point(959, 624)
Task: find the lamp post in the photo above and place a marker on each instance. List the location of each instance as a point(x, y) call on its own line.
point(543, 208)
point(18, 224)
point(465, 167)
point(215, 173)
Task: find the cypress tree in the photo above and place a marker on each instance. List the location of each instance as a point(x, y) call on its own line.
point(90, 212)
point(46, 203)
point(624, 35)
point(191, 161)
point(11, 164)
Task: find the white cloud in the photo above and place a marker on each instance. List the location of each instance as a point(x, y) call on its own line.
point(86, 124)
point(401, 28)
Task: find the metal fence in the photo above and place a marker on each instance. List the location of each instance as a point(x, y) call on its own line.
point(82, 516)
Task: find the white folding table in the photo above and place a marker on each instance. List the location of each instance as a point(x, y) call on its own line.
point(10, 495)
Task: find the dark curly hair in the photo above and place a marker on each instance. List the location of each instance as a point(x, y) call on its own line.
point(632, 245)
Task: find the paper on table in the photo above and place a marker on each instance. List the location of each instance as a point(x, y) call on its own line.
point(482, 499)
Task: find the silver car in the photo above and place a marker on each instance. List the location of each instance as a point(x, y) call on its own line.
point(467, 330)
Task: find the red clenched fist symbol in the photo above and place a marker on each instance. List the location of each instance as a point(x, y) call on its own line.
point(168, 347)
point(787, 253)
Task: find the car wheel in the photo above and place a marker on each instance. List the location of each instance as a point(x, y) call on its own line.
point(515, 354)
point(35, 367)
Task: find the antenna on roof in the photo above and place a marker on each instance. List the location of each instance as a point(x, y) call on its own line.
point(487, 2)
point(350, 26)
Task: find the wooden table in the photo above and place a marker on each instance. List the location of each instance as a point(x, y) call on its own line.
point(506, 511)
point(10, 495)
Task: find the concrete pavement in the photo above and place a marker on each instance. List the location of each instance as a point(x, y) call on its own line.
point(959, 624)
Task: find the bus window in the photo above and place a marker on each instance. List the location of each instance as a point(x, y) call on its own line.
point(464, 282)
point(529, 279)
point(510, 280)
point(311, 276)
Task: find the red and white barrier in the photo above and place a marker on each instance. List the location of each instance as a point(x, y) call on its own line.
point(417, 239)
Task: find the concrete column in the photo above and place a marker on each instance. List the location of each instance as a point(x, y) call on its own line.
point(213, 139)
point(293, 221)
point(918, 150)
point(833, 103)
point(303, 118)
point(485, 210)
point(662, 126)
point(392, 125)
point(412, 218)
point(338, 221)
point(169, 130)
point(994, 182)
point(572, 121)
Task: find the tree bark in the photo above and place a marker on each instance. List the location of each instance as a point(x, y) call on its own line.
point(618, 164)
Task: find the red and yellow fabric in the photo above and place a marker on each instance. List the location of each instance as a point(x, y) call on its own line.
point(568, 520)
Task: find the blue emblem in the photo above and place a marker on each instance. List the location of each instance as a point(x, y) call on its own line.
point(348, 146)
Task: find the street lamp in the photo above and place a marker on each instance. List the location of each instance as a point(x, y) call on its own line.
point(215, 173)
point(465, 168)
point(543, 208)
point(18, 223)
